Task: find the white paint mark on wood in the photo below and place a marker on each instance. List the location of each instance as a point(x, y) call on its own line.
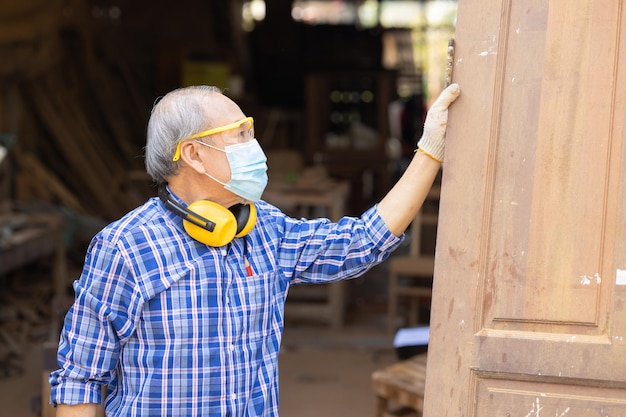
point(535, 410)
point(489, 51)
point(587, 279)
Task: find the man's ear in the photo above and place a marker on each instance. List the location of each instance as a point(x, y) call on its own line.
point(191, 157)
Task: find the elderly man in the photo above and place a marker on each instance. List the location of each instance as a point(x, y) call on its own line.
point(179, 309)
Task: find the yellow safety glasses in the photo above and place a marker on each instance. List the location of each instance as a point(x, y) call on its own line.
point(238, 132)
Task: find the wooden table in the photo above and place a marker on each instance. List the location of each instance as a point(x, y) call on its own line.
point(403, 384)
point(313, 197)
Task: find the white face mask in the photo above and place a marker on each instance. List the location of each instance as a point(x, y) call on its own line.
point(248, 169)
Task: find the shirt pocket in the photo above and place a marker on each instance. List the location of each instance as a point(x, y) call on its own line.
point(258, 296)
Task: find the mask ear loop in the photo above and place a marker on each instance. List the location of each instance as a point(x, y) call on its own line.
point(217, 149)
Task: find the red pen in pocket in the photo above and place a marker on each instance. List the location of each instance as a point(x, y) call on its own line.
point(248, 267)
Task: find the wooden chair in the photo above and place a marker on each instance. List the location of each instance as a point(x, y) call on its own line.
point(399, 388)
point(416, 266)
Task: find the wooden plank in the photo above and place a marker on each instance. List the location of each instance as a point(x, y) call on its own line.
point(43, 176)
point(80, 155)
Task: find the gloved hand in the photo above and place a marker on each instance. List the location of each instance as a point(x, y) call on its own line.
point(433, 140)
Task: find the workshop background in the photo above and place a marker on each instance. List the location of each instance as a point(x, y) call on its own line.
point(338, 91)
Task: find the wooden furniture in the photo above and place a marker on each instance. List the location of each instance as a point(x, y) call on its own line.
point(27, 237)
point(399, 388)
point(347, 125)
point(313, 194)
point(415, 266)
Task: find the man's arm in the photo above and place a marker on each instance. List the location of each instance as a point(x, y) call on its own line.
point(401, 204)
point(79, 410)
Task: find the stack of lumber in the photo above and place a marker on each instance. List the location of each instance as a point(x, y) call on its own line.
point(78, 107)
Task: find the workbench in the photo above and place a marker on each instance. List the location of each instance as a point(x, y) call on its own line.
point(28, 237)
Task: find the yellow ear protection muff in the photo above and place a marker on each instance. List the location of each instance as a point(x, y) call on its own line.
point(210, 223)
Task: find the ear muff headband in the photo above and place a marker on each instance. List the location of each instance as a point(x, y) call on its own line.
point(224, 225)
point(182, 211)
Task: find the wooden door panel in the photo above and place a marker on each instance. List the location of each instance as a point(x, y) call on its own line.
point(529, 299)
point(527, 399)
point(552, 156)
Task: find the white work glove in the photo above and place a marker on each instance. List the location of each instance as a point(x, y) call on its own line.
point(432, 142)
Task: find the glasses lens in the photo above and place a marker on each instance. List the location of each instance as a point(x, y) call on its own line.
point(243, 133)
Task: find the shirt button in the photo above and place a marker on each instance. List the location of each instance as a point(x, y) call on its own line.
point(232, 348)
point(233, 396)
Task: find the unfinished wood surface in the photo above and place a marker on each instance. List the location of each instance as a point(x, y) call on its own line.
point(529, 304)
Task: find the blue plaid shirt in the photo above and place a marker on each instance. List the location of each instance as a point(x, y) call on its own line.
point(174, 327)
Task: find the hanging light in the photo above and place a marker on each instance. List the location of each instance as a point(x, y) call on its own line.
point(251, 12)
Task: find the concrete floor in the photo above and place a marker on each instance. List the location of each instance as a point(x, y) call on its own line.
point(323, 372)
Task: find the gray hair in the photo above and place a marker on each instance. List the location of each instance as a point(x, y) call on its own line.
point(178, 114)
